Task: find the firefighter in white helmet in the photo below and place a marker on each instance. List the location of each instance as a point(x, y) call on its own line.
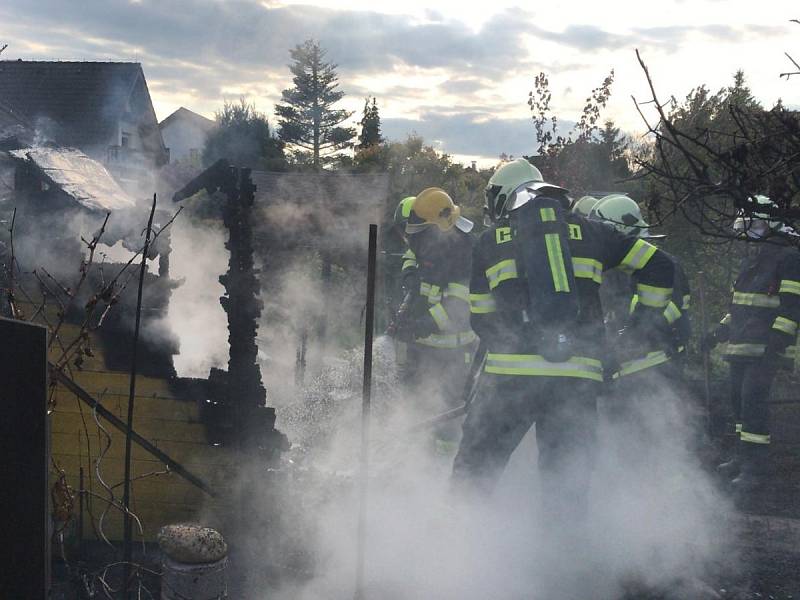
point(534, 299)
point(760, 329)
point(621, 299)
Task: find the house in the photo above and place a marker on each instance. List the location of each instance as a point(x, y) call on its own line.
point(184, 133)
point(102, 108)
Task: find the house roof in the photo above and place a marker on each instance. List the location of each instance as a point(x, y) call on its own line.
point(186, 115)
point(76, 103)
point(84, 179)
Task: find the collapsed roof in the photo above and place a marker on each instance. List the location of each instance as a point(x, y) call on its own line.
point(80, 177)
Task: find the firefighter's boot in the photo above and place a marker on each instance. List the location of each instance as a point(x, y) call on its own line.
point(731, 468)
point(754, 473)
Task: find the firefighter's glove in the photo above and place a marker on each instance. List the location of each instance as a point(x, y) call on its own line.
point(627, 346)
point(556, 347)
point(401, 328)
point(777, 342)
point(716, 336)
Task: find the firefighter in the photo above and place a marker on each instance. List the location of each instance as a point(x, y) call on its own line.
point(583, 205)
point(434, 316)
point(760, 329)
point(620, 300)
point(544, 366)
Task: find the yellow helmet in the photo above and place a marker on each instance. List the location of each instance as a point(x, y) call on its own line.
point(433, 206)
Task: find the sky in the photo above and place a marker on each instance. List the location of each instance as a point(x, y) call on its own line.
point(457, 73)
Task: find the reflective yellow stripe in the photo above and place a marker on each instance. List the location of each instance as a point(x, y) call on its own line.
point(547, 214)
point(754, 438)
point(738, 428)
point(726, 320)
point(440, 316)
point(448, 340)
point(672, 313)
point(409, 264)
point(480, 304)
point(457, 290)
point(790, 352)
point(789, 286)
point(556, 260)
point(652, 296)
point(432, 292)
point(652, 359)
point(634, 302)
point(535, 365)
point(638, 256)
point(785, 325)
point(588, 268)
point(687, 301)
point(760, 300)
point(505, 269)
point(745, 349)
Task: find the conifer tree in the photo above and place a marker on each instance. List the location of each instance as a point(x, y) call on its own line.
point(370, 126)
point(308, 120)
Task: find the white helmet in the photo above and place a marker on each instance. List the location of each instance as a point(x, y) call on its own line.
point(758, 222)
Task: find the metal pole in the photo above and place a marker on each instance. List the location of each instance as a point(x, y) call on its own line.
point(365, 410)
point(126, 493)
point(701, 288)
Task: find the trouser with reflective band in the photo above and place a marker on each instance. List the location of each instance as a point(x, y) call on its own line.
point(435, 380)
point(564, 411)
point(751, 382)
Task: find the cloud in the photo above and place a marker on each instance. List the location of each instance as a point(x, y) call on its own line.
point(247, 34)
point(471, 133)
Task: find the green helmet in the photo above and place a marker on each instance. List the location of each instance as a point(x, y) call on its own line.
point(403, 211)
point(502, 185)
point(585, 205)
point(624, 214)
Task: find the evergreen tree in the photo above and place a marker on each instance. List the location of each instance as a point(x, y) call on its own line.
point(370, 126)
point(308, 121)
point(243, 137)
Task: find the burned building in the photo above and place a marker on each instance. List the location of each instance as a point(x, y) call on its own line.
point(102, 108)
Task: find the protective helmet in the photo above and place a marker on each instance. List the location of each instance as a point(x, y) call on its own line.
point(403, 211)
point(624, 214)
point(433, 206)
point(505, 181)
point(757, 222)
point(585, 205)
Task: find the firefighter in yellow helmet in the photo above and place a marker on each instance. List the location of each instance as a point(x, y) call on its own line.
point(434, 316)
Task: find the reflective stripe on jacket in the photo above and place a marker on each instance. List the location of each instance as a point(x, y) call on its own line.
point(765, 303)
point(499, 296)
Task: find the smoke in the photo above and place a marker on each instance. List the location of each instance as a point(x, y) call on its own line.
point(195, 315)
point(655, 523)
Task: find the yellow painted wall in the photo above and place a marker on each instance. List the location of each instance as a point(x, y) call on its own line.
point(172, 424)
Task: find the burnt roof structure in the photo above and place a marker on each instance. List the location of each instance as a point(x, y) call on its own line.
point(82, 104)
point(81, 178)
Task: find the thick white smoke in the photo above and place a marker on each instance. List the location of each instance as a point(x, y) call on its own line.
point(195, 315)
point(655, 520)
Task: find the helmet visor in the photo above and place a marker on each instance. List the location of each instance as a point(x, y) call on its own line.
point(412, 228)
point(494, 201)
